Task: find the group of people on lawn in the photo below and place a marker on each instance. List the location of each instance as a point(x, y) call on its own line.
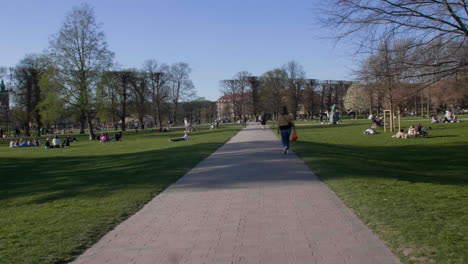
point(20, 143)
point(55, 143)
point(106, 138)
point(449, 117)
point(413, 131)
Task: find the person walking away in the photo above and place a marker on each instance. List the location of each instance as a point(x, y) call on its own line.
point(263, 121)
point(285, 124)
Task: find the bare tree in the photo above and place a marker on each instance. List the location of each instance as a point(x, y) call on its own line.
point(311, 85)
point(426, 22)
point(388, 71)
point(80, 52)
point(242, 79)
point(295, 82)
point(139, 84)
point(3, 72)
point(157, 79)
point(232, 89)
point(180, 85)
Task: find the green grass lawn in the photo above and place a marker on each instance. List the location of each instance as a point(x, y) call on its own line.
point(54, 203)
point(412, 192)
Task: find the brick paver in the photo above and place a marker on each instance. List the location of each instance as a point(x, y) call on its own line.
point(246, 203)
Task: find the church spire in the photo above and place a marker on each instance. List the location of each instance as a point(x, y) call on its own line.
point(2, 87)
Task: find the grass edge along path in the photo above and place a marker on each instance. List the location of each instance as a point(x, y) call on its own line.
point(56, 203)
point(412, 193)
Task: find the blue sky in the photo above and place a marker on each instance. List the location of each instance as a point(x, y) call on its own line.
point(217, 38)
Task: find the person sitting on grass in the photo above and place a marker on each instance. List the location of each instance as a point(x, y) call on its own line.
point(411, 131)
point(400, 134)
point(118, 136)
point(103, 138)
point(22, 143)
point(12, 144)
point(56, 142)
point(448, 116)
point(66, 142)
point(47, 144)
point(184, 138)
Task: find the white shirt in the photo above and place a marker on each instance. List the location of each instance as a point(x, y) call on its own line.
point(56, 141)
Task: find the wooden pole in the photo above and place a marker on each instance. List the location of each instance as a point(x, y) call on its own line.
point(384, 121)
point(399, 121)
point(392, 121)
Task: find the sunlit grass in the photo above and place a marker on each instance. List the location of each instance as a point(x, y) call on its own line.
point(56, 202)
point(411, 192)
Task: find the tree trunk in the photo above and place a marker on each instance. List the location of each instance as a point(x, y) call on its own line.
point(90, 124)
point(428, 101)
point(422, 103)
point(82, 122)
point(123, 126)
point(158, 106)
point(176, 105)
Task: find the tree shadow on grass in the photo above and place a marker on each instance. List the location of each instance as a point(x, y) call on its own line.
point(66, 177)
point(237, 165)
point(246, 163)
point(444, 136)
point(445, 165)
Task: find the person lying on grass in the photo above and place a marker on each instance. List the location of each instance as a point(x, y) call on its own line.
point(184, 138)
point(400, 134)
point(369, 131)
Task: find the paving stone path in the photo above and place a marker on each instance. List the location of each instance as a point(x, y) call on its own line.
point(246, 203)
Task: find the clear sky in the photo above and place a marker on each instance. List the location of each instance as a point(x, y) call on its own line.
point(217, 38)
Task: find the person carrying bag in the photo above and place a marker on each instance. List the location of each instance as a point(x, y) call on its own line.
point(285, 125)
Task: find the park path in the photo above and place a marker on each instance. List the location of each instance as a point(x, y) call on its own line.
point(246, 203)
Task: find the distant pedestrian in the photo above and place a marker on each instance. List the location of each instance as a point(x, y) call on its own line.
point(285, 124)
point(263, 121)
point(186, 124)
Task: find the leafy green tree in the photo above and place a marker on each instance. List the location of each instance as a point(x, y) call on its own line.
point(50, 109)
point(27, 91)
point(81, 54)
point(273, 90)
